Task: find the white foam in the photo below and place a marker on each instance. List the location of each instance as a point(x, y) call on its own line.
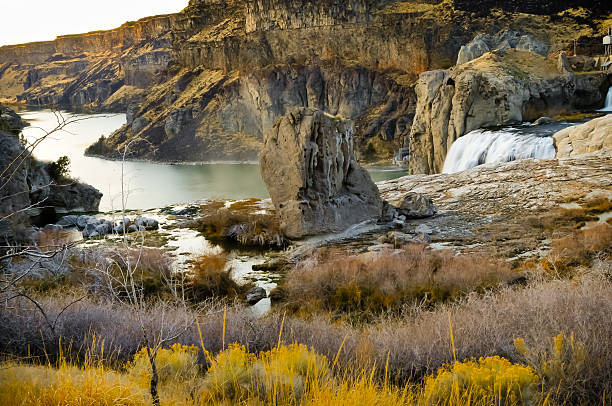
point(608, 105)
point(482, 147)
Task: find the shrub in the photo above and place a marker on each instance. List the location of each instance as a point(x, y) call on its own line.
point(211, 278)
point(289, 372)
point(491, 380)
point(67, 385)
point(59, 169)
point(578, 249)
point(365, 285)
point(230, 374)
point(178, 363)
point(284, 374)
point(564, 365)
point(104, 271)
point(244, 223)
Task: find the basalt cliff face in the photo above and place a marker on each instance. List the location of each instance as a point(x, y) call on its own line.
point(208, 82)
point(29, 192)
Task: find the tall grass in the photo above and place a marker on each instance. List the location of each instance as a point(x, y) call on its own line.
point(403, 349)
point(243, 223)
point(285, 375)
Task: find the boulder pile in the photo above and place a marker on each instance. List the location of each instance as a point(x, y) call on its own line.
point(93, 227)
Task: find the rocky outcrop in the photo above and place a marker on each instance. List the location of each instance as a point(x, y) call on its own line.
point(10, 121)
point(499, 88)
point(27, 191)
point(503, 40)
point(310, 167)
point(507, 207)
point(591, 136)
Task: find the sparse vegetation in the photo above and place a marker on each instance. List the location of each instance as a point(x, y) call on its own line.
point(244, 223)
point(210, 277)
point(363, 286)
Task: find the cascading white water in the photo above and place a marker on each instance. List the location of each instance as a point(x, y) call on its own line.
point(608, 105)
point(482, 146)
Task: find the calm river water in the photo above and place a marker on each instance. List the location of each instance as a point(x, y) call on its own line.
point(149, 185)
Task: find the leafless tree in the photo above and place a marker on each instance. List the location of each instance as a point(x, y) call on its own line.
point(120, 274)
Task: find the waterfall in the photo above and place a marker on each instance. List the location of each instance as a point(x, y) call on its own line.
point(482, 146)
point(608, 106)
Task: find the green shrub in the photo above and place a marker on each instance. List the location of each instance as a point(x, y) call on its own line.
point(59, 169)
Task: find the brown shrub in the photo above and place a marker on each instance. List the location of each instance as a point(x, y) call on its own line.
point(412, 345)
point(211, 278)
point(51, 240)
point(371, 284)
point(243, 223)
point(578, 249)
point(104, 270)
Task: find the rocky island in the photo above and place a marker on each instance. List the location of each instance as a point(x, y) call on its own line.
point(480, 274)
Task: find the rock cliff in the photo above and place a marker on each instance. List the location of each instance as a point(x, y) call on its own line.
point(310, 167)
point(206, 83)
point(500, 88)
point(29, 193)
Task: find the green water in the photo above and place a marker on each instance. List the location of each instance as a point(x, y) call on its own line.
point(149, 185)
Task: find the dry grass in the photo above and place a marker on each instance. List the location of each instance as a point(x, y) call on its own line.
point(574, 252)
point(370, 284)
point(409, 347)
point(51, 240)
point(104, 271)
point(243, 223)
point(210, 277)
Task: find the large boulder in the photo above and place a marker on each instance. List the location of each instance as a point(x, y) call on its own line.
point(591, 136)
point(310, 167)
point(415, 206)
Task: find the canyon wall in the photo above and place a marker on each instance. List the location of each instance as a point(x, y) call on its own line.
point(207, 83)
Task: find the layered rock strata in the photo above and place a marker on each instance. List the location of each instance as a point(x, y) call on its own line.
point(310, 167)
point(206, 83)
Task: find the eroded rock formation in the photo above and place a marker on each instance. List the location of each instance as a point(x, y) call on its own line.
point(27, 190)
point(499, 88)
point(310, 167)
point(591, 136)
point(503, 40)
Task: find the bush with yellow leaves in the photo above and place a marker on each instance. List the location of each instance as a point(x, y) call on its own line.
point(283, 374)
point(492, 380)
point(43, 385)
point(288, 372)
point(179, 363)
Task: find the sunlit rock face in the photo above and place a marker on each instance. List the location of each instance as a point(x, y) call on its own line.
point(592, 136)
point(500, 88)
point(310, 167)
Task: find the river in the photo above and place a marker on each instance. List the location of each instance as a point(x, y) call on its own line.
point(149, 184)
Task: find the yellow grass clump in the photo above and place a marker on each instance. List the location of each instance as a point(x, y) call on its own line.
point(488, 381)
